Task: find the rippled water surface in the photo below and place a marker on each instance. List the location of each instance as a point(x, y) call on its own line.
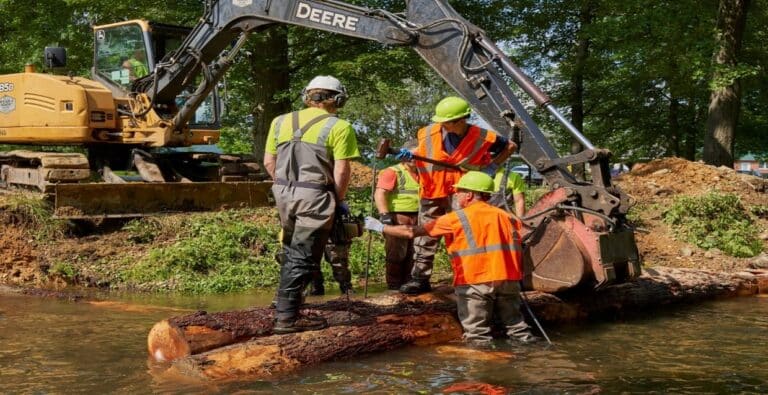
point(49, 346)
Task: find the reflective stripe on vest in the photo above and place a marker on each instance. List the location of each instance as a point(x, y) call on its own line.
point(472, 153)
point(405, 198)
point(475, 263)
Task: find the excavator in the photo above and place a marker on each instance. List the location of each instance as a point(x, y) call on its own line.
point(577, 234)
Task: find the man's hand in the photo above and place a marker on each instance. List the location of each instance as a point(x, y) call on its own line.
point(342, 208)
point(387, 218)
point(373, 225)
point(404, 154)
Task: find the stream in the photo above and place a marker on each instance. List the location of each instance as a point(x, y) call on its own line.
point(53, 346)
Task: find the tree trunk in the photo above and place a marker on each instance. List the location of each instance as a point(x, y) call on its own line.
point(725, 101)
point(269, 72)
point(577, 83)
point(394, 321)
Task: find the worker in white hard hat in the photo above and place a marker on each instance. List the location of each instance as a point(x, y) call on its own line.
point(308, 154)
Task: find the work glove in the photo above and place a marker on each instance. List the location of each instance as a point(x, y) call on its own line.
point(374, 225)
point(404, 154)
point(342, 208)
point(387, 219)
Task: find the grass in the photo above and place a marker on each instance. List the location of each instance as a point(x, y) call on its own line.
point(717, 221)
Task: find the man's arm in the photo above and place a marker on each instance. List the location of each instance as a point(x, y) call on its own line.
point(405, 231)
point(341, 172)
point(519, 203)
point(503, 155)
point(270, 162)
point(380, 197)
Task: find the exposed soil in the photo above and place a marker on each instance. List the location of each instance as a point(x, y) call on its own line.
point(98, 253)
point(656, 184)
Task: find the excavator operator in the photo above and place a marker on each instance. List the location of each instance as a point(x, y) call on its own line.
point(450, 139)
point(308, 155)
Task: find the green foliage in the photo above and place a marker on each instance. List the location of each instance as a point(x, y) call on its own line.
point(65, 270)
point(37, 215)
point(220, 252)
point(141, 231)
point(715, 221)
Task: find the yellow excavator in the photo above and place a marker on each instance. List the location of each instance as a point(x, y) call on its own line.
point(139, 159)
point(153, 95)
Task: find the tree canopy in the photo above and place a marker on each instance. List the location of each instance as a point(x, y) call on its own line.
point(636, 75)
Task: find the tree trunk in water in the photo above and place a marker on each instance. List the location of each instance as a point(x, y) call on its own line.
point(269, 72)
point(577, 84)
point(725, 101)
point(393, 321)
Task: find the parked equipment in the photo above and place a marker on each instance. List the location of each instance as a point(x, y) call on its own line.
point(581, 234)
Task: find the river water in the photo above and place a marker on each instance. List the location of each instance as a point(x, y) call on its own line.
point(52, 346)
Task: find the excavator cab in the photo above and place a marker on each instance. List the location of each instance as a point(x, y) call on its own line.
point(128, 51)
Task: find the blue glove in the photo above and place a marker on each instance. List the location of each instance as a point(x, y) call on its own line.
point(404, 154)
point(342, 208)
point(373, 225)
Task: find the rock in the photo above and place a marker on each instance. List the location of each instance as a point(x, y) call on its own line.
point(763, 236)
point(759, 262)
point(709, 255)
point(660, 172)
point(686, 251)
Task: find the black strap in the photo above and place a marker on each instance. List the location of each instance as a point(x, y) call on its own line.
point(302, 184)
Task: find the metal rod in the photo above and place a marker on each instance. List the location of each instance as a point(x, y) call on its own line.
point(533, 316)
point(568, 125)
point(534, 92)
point(370, 234)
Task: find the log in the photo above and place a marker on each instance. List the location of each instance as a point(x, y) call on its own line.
point(178, 337)
point(238, 345)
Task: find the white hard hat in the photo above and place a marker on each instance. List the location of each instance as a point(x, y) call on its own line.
point(325, 82)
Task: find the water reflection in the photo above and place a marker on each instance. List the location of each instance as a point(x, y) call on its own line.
point(55, 346)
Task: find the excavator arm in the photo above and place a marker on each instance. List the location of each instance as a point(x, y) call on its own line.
point(577, 232)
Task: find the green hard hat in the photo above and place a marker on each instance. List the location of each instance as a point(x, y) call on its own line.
point(476, 181)
point(451, 108)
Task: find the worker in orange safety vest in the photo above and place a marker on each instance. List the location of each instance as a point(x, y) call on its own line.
point(450, 139)
point(486, 255)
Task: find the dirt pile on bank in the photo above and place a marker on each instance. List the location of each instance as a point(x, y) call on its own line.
point(656, 184)
point(18, 258)
point(361, 176)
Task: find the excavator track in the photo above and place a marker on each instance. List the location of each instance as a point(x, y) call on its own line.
point(42, 171)
point(65, 179)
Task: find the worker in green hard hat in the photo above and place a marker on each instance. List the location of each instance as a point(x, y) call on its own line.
point(450, 139)
point(486, 256)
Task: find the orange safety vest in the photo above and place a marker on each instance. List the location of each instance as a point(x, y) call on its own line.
point(485, 245)
point(472, 153)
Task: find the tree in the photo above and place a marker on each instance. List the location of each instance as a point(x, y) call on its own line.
point(725, 100)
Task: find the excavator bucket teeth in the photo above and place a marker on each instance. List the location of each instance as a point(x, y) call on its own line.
point(103, 200)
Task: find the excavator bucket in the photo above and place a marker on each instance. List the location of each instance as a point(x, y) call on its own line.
point(565, 253)
point(107, 200)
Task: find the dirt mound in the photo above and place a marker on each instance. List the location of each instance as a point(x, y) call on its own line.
point(361, 176)
point(654, 185)
point(18, 259)
point(663, 179)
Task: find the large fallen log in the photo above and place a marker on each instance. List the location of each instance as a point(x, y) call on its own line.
point(181, 336)
point(236, 345)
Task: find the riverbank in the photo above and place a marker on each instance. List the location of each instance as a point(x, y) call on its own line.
point(234, 250)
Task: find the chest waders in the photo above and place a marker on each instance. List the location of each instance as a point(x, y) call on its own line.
point(304, 195)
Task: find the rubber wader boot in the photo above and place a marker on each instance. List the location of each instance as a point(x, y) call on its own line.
point(415, 287)
point(346, 288)
point(299, 324)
